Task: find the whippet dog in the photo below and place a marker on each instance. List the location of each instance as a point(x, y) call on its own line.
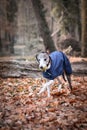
point(53, 66)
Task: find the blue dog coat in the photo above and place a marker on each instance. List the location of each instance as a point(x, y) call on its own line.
point(59, 64)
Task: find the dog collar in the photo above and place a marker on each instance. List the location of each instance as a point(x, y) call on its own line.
point(49, 61)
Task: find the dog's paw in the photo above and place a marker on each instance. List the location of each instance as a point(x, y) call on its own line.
point(59, 87)
point(38, 94)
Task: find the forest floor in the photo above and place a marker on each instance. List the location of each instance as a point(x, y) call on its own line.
point(22, 109)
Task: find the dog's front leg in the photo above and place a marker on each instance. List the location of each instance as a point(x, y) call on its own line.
point(46, 86)
point(43, 89)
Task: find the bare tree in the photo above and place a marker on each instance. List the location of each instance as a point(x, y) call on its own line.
point(42, 24)
point(84, 27)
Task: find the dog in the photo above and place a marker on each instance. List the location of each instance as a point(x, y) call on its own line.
point(54, 65)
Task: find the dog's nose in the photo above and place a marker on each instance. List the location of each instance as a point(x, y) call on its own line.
point(41, 67)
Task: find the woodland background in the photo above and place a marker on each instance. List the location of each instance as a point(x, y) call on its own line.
point(28, 27)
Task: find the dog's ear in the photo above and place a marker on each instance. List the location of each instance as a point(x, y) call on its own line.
point(37, 57)
point(44, 52)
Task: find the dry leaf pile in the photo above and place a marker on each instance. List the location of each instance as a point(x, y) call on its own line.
point(22, 109)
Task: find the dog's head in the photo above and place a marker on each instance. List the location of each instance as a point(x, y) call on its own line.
point(43, 60)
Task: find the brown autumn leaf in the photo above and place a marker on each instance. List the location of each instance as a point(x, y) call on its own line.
point(21, 108)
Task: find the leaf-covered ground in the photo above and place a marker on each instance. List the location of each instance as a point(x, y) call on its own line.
point(22, 109)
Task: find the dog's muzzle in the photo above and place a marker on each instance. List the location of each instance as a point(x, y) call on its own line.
point(43, 68)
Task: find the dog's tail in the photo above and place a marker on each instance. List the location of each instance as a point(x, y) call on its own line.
point(67, 70)
point(67, 65)
point(63, 75)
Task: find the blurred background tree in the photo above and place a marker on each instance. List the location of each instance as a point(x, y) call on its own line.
point(84, 28)
point(56, 22)
point(42, 24)
point(69, 12)
point(11, 8)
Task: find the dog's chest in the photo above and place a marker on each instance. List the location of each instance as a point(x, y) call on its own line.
point(55, 70)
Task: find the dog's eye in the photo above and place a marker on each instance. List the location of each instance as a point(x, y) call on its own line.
point(45, 59)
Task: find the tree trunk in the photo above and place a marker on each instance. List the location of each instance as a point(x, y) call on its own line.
point(84, 27)
point(43, 26)
point(21, 68)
